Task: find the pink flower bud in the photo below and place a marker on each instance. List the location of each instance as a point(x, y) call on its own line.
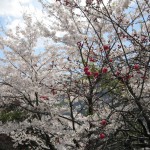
point(104, 70)
point(92, 59)
point(102, 136)
point(103, 122)
point(95, 74)
point(136, 67)
point(88, 73)
point(86, 69)
point(106, 47)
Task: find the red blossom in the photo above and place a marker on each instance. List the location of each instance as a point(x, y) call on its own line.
point(102, 136)
point(106, 47)
point(92, 59)
point(95, 74)
point(86, 69)
point(136, 67)
point(103, 122)
point(104, 70)
point(88, 73)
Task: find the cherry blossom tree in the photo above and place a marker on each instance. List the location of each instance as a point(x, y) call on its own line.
point(28, 75)
point(88, 91)
point(114, 60)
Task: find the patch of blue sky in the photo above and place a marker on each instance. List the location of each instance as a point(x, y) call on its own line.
point(2, 23)
point(1, 54)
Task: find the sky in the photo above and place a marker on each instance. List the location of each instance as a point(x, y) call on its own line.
point(11, 11)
